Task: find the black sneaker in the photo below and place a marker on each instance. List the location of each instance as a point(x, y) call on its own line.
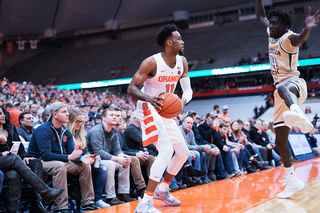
point(114, 201)
point(89, 207)
point(212, 177)
point(192, 172)
point(141, 192)
point(126, 198)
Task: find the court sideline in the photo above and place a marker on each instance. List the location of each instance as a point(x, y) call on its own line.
point(248, 194)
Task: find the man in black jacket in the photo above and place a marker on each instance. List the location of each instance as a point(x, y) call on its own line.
point(138, 157)
point(133, 136)
point(204, 134)
point(255, 135)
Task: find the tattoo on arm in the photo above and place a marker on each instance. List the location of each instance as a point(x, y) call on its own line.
point(139, 95)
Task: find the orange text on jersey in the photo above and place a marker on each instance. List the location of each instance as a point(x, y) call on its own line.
point(169, 78)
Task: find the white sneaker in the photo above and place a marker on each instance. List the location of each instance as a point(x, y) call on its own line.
point(166, 197)
point(102, 204)
point(297, 119)
point(146, 207)
point(293, 185)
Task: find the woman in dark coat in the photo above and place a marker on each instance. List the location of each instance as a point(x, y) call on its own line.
point(16, 167)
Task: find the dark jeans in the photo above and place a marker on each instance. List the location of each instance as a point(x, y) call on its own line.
point(227, 160)
point(220, 170)
point(99, 176)
point(200, 163)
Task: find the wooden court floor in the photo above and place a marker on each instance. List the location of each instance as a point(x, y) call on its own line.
point(248, 194)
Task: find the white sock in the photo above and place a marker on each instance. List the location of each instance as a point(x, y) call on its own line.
point(251, 158)
point(146, 197)
point(295, 107)
point(163, 186)
point(290, 172)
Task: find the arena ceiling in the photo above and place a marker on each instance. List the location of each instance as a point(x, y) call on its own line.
point(27, 17)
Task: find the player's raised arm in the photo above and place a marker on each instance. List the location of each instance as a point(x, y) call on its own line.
point(185, 83)
point(147, 67)
point(311, 22)
point(261, 15)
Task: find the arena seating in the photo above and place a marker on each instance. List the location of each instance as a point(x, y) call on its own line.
point(226, 44)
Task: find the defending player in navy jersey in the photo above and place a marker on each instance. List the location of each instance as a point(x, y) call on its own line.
point(291, 90)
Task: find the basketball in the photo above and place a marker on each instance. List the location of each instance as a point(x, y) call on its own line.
point(172, 105)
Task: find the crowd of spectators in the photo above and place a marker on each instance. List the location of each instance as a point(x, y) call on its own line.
point(66, 128)
point(260, 58)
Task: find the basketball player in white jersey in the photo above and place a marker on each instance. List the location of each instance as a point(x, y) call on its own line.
point(291, 90)
point(157, 74)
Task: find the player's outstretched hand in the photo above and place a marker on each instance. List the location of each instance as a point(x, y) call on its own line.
point(312, 21)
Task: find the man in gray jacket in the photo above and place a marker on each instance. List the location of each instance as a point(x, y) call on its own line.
point(103, 139)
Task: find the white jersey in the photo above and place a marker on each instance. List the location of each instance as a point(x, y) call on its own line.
point(166, 78)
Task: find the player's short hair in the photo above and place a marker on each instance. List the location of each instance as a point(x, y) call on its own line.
point(283, 16)
point(164, 33)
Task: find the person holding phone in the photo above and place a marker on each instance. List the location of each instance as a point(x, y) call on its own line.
point(99, 174)
point(53, 143)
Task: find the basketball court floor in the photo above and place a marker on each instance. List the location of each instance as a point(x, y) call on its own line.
point(251, 193)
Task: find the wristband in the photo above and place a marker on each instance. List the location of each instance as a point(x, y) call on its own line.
point(202, 147)
point(81, 157)
point(136, 154)
point(116, 160)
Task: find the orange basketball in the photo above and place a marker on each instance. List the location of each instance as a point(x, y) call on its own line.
point(172, 105)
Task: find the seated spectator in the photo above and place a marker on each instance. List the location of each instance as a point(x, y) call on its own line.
point(214, 161)
point(255, 135)
point(197, 152)
point(42, 118)
point(235, 136)
point(93, 112)
point(88, 123)
point(221, 142)
point(99, 175)
point(34, 112)
point(26, 124)
point(53, 143)
point(264, 127)
point(263, 152)
point(139, 158)
point(133, 136)
point(103, 139)
point(16, 166)
point(313, 142)
point(271, 133)
point(98, 119)
point(12, 113)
